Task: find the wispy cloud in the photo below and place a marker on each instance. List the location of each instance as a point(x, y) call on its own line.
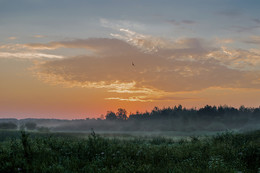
point(245, 60)
point(149, 98)
point(22, 51)
point(224, 41)
point(12, 38)
point(117, 24)
point(39, 36)
point(145, 42)
point(29, 55)
point(257, 21)
point(253, 40)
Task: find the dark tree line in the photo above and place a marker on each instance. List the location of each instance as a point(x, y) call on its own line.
point(180, 118)
point(8, 125)
point(207, 112)
point(121, 114)
point(13, 125)
point(177, 118)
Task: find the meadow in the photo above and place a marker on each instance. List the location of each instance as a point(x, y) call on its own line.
point(23, 151)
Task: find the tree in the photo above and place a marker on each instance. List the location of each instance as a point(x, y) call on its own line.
point(121, 114)
point(111, 115)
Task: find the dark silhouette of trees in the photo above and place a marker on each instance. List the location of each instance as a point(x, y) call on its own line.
point(121, 114)
point(207, 111)
point(111, 115)
point(180, 118)
point(221, 113)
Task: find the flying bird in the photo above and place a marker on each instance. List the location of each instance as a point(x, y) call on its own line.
point(133, 64)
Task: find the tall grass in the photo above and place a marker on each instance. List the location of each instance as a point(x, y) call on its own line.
point(52, 153)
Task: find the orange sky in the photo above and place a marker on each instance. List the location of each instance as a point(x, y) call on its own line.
point(85, 58)
point(24, 95)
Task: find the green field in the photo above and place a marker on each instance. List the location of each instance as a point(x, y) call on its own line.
point(104, 152)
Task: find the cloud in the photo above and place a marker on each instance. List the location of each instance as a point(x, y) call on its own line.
point(195, 49)
point(182, 49)
point(23, 51)
point(97, 45)
point(13, 47)
point(243, 60)
point(161, 69)
point(29, 55)
point(39, 36)
point(12, 38)
point(146, 43)
point(256, 21)
point(118, 24)
point(253, 40)
point(224, 41)
point(40, 46)
point(147, 98)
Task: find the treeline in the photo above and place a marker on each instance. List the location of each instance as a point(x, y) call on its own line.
point(13, 125)
point(207, 112)
point(177, 118)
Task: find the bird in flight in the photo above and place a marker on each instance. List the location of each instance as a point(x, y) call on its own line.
point(133, 64)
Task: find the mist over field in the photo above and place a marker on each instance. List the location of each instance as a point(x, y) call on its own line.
point(175, 119)
point(210, 139)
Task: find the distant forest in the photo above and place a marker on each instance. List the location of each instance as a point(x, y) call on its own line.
point(177, 118)
point(211, 113)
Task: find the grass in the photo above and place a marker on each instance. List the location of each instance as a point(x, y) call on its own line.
point(68, 152)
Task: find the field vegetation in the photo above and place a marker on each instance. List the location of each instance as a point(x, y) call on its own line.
point(22, 151)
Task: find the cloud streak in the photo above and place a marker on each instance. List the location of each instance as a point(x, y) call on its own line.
point(253, 40)
point(29, 55)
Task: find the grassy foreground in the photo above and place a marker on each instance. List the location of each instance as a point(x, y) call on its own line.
point(64, 153)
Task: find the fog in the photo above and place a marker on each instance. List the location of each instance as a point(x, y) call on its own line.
point(167, 121)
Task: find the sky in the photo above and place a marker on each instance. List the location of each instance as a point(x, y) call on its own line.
point(77, 59)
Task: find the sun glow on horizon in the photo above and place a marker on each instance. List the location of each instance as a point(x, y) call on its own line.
point(85, 63)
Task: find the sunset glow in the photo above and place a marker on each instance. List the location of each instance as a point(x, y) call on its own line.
point(79, 59)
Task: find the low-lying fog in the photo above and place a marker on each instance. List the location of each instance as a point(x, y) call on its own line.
point(168, 121)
